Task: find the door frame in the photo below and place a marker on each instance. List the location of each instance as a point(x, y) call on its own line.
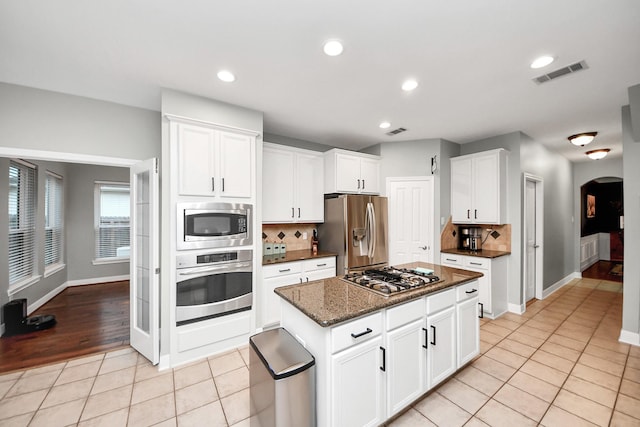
point(431, 183)
point(538, 181)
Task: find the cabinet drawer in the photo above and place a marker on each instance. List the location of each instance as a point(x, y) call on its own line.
point(479, 263)
point(468, 290)
point(401, 315)
point(319, 263)
point(441, 300)
point(356, 331)
point(450, 259)
point(276, 270)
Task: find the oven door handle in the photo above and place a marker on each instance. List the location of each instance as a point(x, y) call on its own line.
point(204, 270)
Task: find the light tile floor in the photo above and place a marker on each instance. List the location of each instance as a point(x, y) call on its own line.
point(559, 364)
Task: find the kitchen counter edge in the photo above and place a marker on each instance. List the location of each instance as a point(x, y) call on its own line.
point(484, 253)
point(342, 301)
point(292, 256)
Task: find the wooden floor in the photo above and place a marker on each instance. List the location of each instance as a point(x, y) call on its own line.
point(602, 270)
point(90, 319)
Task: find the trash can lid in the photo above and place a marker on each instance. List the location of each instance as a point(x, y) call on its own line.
point(281, 353)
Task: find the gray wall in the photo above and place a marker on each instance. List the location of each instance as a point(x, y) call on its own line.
point(298, 143)
point(41, 120)
point(631, 191)
point(80, 246)
point(561, 241)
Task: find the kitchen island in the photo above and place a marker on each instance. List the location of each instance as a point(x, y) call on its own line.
point(375, 354)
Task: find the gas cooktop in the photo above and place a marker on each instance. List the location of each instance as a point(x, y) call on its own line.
point(388, 281)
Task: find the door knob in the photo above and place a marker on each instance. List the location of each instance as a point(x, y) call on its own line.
point(424, 248)
point(536, 246)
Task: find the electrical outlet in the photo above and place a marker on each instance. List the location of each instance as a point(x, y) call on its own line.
point(304, 235)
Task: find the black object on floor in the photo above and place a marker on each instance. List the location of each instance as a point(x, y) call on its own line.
point(16, 321)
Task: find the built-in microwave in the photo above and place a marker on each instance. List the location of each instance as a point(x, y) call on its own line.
point(213, 225)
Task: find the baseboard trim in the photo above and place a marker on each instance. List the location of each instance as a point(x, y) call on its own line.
point(517, 308)
point(46, 298)
point(629, 337)
point(96, 280)
point(560, 283)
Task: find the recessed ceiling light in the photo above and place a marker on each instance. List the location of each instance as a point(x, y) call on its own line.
point(409, 85)
point(582, 139)
point(333, 48)
point(542, 61)
point(385, 125)
point(598, 154)
point(226, 76)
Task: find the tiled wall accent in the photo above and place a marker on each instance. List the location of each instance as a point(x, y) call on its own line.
point(293, 235)
point(501, 241)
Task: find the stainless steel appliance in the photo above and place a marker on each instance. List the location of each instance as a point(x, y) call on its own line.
point(470, 238)
point(213, 225)
point(213, 284)
point(355, 227)
point(391, 280)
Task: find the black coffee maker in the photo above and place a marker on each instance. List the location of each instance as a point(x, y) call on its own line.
point(16, 321)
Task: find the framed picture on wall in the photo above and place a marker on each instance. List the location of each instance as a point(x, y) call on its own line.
point(591, 206)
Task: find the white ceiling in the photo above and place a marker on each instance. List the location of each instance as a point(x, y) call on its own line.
point(471, 59)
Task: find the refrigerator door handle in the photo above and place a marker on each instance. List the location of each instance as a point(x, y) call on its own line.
point(374, 233)
point(370, 227)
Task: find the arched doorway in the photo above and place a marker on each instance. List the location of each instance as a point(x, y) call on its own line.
point(602, 229)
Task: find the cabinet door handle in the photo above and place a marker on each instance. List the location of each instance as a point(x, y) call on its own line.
point(468, 213)
point(475, 263)
point(223, 185)
point(481, 310)
point(383, 368)
point(298, 212)
point(213, 184)
point(293, 212)
point(363, 184)
point(426, 338)
point(434, 335)
point(307, 279)
point(367, 331)
point(358, 184)
point(475, 214)
point(452, 260)
point(284, 271)
point(321, 265)
point(471, 291)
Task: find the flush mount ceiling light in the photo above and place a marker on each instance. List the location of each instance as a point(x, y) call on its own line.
point(542, 61)
point(409, 85)
point(598, 154)
point(226, 76)
point(582, 139)
point(333, 48)
point(385, 125)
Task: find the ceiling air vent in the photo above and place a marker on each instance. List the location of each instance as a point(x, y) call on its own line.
point(396, 131)
point(582, 65)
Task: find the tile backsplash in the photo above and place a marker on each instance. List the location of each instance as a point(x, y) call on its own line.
point(291, 234)
point(498, 239)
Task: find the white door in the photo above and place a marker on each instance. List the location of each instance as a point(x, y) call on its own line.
point(348, 173)
point(406, 366)
point(461, 190)
point(277, 186)
point(533, 223)
point(468, 330)
point(485, 209)
point(411, 236)
point(441, 357)
point(144, 262)
point(236, 167)
point(309, 187)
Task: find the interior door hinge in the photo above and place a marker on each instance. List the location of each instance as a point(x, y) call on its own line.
point(156, 164)
point(158, 270)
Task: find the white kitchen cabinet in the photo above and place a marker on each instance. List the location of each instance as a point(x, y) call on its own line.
point(441, 332)
point(213, 162)
point(357, 385)
point(351, 172)
point(290, 273)
point(492, 286)
point(479, 188)
point(467, 323)
point(292, 185)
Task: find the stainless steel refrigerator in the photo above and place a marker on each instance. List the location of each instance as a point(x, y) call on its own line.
point(355, 227)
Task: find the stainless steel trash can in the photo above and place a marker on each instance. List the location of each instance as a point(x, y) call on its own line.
point(282, 381)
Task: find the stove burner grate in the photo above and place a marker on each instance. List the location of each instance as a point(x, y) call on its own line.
point(391, 280)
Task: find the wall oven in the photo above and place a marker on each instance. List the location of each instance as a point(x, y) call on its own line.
point(213, 225)
point(213, 284)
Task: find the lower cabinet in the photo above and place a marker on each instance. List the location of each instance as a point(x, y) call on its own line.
point(468, 314)
point(441, 349)
point(358, 385)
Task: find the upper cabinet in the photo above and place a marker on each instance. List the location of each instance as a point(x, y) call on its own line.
point(213, 162)
point(479, 188)
point(292, 185)
point(351, 172)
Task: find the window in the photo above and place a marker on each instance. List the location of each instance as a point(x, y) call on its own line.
point(112, 221)
point(53, 221)
point(22, 221)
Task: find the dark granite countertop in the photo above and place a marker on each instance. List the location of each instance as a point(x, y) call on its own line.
point(484, 253)
point(332, 301)
point(294, 256)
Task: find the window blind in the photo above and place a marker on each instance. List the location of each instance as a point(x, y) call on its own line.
point(53, 220)
point(22, 221)
point(112, 220)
